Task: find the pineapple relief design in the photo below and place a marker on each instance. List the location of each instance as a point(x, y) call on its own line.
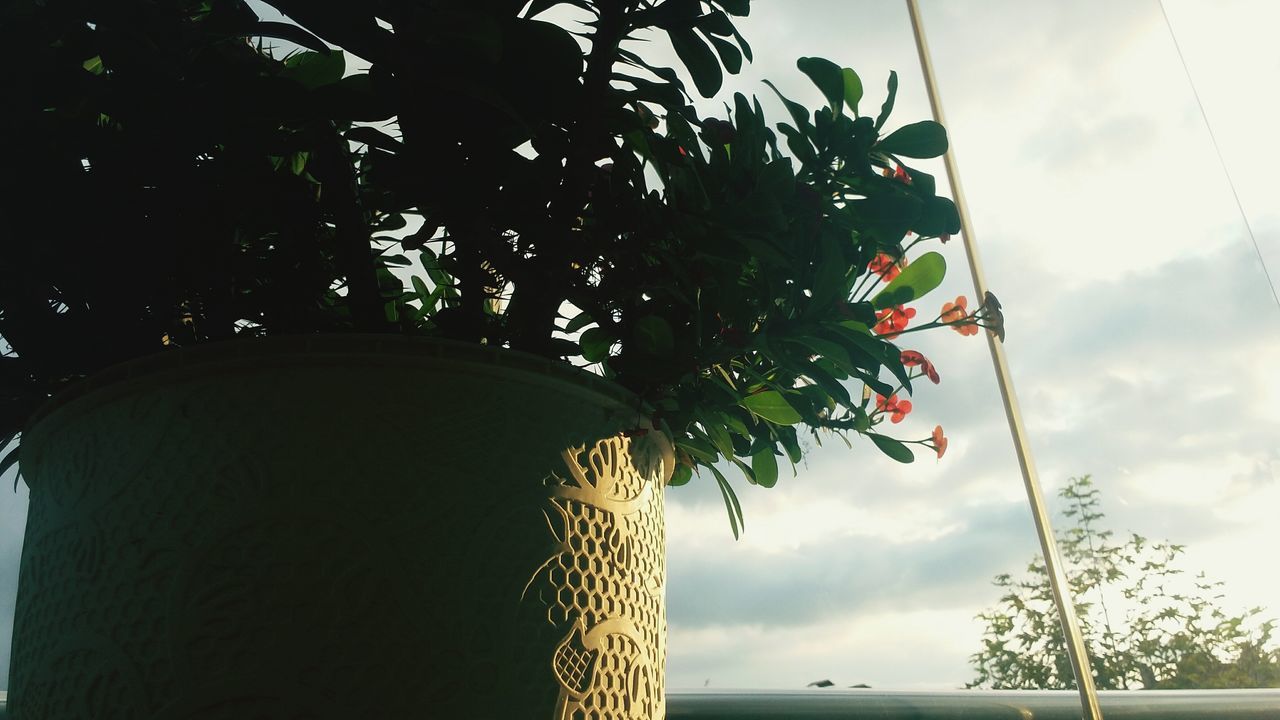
point(604, 586)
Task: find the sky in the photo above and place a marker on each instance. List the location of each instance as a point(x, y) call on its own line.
point(1141, 337)
point(1142, 334)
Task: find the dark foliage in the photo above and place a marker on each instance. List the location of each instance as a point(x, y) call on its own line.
point(180, 172)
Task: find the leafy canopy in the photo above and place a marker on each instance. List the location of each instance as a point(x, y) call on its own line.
point(1147, 623)
point(192, 173)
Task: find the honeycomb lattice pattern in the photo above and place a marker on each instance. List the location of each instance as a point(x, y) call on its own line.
point(608, 585)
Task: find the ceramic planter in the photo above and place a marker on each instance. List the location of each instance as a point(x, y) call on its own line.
point(341, 527)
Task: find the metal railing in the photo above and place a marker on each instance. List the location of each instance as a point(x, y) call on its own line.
point(831, 704)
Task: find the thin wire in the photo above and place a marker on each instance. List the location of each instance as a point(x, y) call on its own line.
point(1221, 160)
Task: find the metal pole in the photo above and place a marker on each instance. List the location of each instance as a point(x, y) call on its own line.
point(1053, 563)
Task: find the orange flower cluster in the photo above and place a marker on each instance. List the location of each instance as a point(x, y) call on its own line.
point(899, 173)
point(957, 312)
point(896, 408)
point(890, 322)
point(886, 267)
point(912, 358)
point(939, 441)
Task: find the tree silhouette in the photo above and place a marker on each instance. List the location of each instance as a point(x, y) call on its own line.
point(1147, 623)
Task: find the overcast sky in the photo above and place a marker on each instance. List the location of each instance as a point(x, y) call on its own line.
point(1142, 337)
point(1142, 334)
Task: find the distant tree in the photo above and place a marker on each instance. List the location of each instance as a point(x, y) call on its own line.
point(1146, 622)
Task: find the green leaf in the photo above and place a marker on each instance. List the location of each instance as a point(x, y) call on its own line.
point(730, 501)
point(893, 361)
point(429, 304)
point(798, 112)
point(829, 350)
point(765, 466)
point(831, 388)
point(653, 336)
point(924, 139)
point(682, 475)
point(799, 144)
point(292, 33)
point(938, 216)
point(353, 98)
point(715, 23)
point(922, 183)
point(94, 65)
point(871, 353)
point(830, 283)
point(314, 69)
point(394, 221)
point(374, 137)
point(698, 448)
point(595, 344)
point(733, 423)
point(888, 101)
point(742, 43)
point(852, 89)
point(669, 15)
point(892, 448)
point(787, 436)
point(729, 54)
point(582, 320)
point(739, 8)
point(920, 277)
point(700, 61)
point(878, 385)
point(719, 436)
point(885, 217)
point(864, 349)
point(540, 6)
point(772, 406)
point(420, 287)
point(420, 237)
point(828, 77)
point(857, 327)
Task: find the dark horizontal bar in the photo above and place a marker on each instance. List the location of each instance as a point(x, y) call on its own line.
point(829, 704)
point(959, 705)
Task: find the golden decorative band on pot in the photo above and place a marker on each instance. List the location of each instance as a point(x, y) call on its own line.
point(604, 586)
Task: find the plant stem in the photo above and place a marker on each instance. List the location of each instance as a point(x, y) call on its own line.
point(355, 256)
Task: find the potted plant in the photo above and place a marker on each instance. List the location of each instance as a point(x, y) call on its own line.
point(292, 343)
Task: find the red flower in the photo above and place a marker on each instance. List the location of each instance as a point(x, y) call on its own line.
point(899, 173)
point(951, 312)
point(897, 409)
point(892, 321)
point(957, 312)
point(911, 358)
point(885, 266)
point(939, 441)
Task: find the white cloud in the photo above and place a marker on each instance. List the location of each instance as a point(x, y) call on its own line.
point(1142, 338)
point(915, 649)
